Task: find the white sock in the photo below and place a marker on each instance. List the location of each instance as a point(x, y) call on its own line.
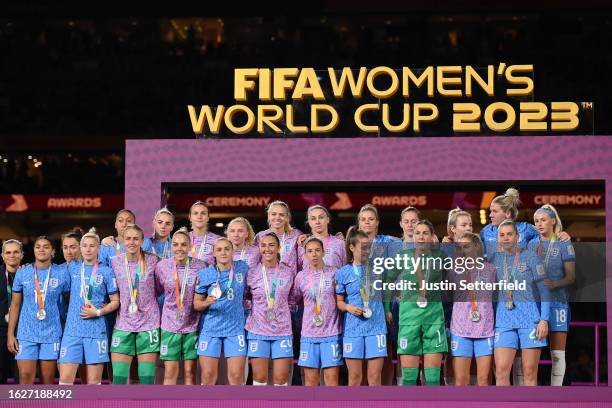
point(281, 385)
point(399, 381)
point(65, 383)
point(257, 383)
point(558, 367)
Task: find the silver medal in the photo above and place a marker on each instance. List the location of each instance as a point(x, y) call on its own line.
point(6, 317)
point(270, 315)
point(41, 314)
point(216, 292)
point(367, 313)
point(317, 320)
point(133, 307)
point(475, 316)
point(422, 302)
point(230, 294)
point(509, 305)
point(179, 316)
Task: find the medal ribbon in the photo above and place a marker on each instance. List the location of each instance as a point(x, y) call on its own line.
point(41, 296)
point(201, 249)
point(319, 292)
point(548, 250)
point(270, 294)
point(472, 291)
point(506, 277)
point(9, 289)
point(118, 247)
point(87, 291)
point(362, 290)
point(133, 288)
point(230, 280)
point(282, 251)
point(422, 292)
point(180, 293)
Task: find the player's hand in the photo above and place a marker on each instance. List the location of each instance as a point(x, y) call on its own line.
point(542, 330)
point(435, 239)
point(210, 299)
point(550, 284)
point(89, 312)
point(109, 241)
point(354, 310)
point(389, 317)
point(302, 238)
point(12, 344)
point(564, 236)
point(446, 240)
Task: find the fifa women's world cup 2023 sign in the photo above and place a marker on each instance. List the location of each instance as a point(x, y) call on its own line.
point(495, 99)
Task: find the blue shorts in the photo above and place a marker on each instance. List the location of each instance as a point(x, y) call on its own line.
point(37, 351)
point(560, 316)
point(73, 349)
point(518, 338)
point(233, 346)
point(320, 355)
point(367, 347)
point(279, 348)
point(470, 347)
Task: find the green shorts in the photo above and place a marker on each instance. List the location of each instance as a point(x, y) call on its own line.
point(178, 347)
point(422, 339)
point(133, 343)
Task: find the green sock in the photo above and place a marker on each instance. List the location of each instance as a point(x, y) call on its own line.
point(432, 376)
point(409, 375)
point(146, 373)
point(121, 371)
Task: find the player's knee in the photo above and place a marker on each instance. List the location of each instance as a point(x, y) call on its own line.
point(236, 378)
point(188, 370)
point(462, 379)
point(209, 379)
point(502, 369)
point(374, 378)
point(482, 378)
point(355, 377)
point(331, 377)
point(260, 377)
point(280, 378)
point(530, 371)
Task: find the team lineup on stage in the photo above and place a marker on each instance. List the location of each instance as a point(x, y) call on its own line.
point(211, 307)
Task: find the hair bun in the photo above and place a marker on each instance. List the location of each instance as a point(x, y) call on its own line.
point(92, 230)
